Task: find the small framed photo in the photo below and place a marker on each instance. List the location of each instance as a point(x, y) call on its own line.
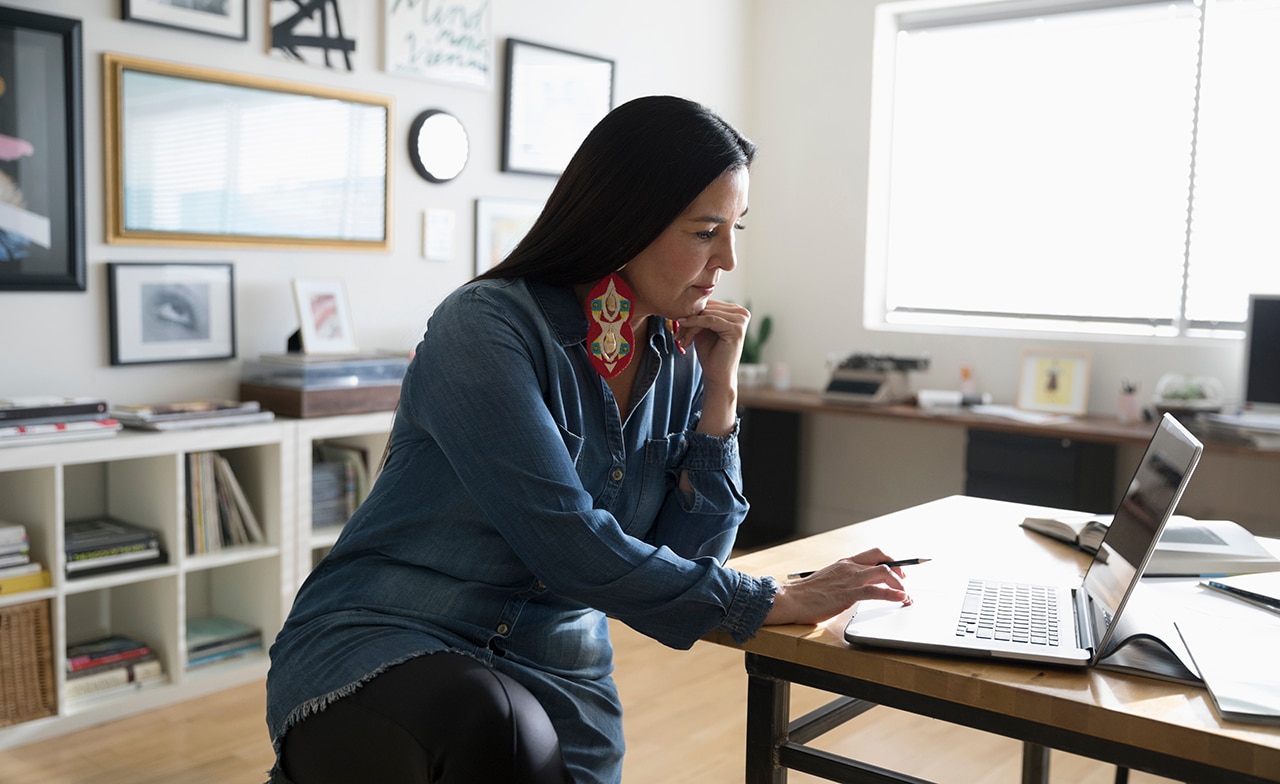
point(1054, 382)
point(224, 18)
point(554, 98)
point(500, 225)
point(171, 312)
point(324, 316)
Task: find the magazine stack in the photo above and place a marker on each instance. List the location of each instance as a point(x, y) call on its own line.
point(190, 415)
point(110, 665)
point(215, 638)
point(17, 571)
point(38, 420)
point(98, 545)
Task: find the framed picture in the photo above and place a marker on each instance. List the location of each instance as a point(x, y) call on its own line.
point(316, 32)
point(225, 18)
point(444, 40)
point(276, 164)
point(554, 98)
point(500, 225)
point(41, 153)
point(171, 312)
point(1054, 381)
point(324, 318)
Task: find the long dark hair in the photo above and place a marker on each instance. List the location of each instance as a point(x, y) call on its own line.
point(633, 175)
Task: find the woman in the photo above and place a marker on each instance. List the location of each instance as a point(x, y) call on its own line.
point(565, 449)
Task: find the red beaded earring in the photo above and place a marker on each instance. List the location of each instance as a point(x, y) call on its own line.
point(609, 335)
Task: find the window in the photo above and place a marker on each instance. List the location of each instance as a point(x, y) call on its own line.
point(1105, 166)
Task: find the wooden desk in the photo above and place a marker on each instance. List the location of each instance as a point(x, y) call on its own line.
point(1140, 723)
point(1102, 430)
point(1075, 464)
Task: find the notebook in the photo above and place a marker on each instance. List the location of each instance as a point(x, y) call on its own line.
point(1079, 620)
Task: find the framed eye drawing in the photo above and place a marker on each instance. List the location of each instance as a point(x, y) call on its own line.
point(554, 98)
point(171, 312)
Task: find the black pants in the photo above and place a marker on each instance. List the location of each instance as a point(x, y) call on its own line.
point(440, 718)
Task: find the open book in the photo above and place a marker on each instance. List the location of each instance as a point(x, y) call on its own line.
point(1187, 548)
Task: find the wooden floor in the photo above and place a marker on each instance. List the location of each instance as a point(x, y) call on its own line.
point(684, 723)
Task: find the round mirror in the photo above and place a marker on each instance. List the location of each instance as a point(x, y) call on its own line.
point(437, 145)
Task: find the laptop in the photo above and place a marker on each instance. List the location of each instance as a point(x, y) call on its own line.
point(1071, 624)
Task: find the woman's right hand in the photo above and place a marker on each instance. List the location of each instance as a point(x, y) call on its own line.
point(833, 589)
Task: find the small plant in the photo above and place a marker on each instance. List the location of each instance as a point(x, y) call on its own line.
point(753, 345)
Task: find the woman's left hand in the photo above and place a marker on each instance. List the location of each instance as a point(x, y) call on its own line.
point(717, 333)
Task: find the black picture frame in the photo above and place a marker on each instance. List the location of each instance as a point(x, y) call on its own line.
point(554, 97)
point(42, 129)
point(234, 24)
point(171, 311)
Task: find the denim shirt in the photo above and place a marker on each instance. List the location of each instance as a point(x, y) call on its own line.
point(517, 510)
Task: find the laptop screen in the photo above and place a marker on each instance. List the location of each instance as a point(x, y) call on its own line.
point(1148, 502)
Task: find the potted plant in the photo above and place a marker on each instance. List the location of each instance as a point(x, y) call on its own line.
point(752, 371)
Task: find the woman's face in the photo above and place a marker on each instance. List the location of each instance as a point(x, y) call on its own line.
point(676, 275)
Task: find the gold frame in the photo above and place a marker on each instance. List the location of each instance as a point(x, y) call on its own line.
point(114, 68)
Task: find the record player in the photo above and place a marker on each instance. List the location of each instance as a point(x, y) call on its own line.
point(870, 378)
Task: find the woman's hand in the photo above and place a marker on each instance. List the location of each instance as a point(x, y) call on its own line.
point(833, 589)
point(717, 334)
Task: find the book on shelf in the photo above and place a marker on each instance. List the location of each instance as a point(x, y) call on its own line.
point(19, 556)
point(123, 678)
point(190, 415)
point(213, 638)
point(102, 544)
point(24, 435)
point(28, 577)
point(42, 409)
point(356, 458)
point(333, 493)
point(113, 663)
point(111, 649)
point(1237, 662)
point(12, 533)
point(1187, 547)
point(197, 422)
point(218, 512)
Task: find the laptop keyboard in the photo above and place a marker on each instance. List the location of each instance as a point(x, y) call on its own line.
point(1011, 612)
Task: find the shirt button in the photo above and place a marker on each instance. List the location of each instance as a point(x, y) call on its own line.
point(616, 475)
point(503, 628)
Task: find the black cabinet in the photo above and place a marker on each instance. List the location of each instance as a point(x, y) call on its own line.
point(769, 444)
point(1042, 470)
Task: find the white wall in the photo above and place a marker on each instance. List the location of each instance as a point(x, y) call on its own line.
point(57, 343)
point(810, 92)
point(795, 75)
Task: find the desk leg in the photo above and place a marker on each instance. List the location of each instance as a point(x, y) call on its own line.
point(768, 716)
point(1035, 763)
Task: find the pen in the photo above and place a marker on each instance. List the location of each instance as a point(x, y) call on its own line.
point(903, 562)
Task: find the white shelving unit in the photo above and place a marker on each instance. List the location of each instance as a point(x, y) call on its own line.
point(140, 477)
point(367, 432)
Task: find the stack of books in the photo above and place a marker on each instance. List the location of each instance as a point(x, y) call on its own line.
point(17, 571)
point(104, 544)
point(214, 638)
point(110, 665)
point(37, 420)
point(333, 494)
point(190, 415)
point(218, 513)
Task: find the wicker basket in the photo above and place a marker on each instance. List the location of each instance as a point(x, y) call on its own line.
point(26, 663)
